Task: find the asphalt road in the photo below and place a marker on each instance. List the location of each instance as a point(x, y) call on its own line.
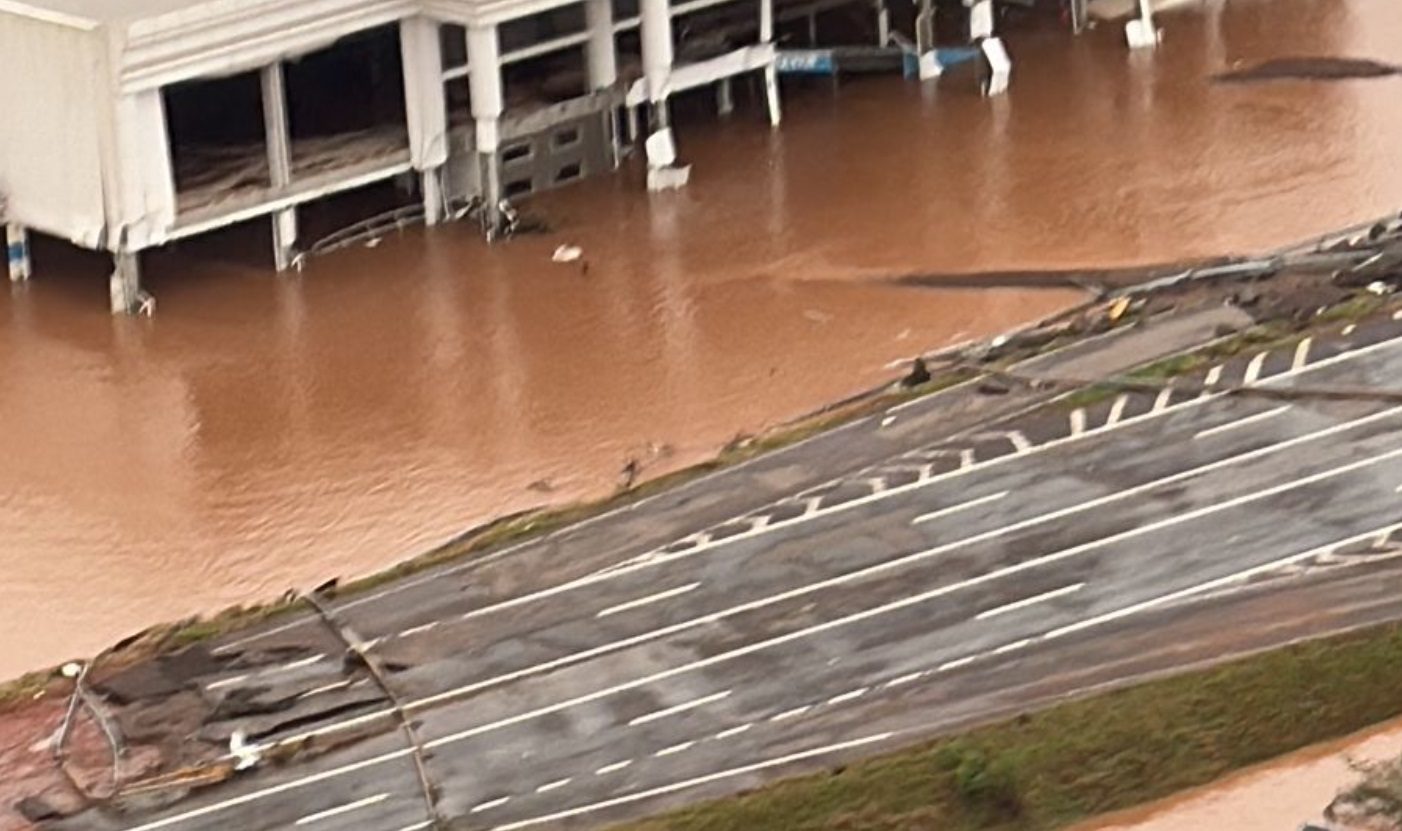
point(953, 583)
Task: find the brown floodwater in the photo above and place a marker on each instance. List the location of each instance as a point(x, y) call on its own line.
point(1278, 796)
point(264, 432)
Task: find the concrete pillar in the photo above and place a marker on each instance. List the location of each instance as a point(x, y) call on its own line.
point(725, 97)
point(1080, 16)
point(125, 285)
point(883, 23)
point(660, 146)
point(425, 109)
point(17, 252)
point(279, 139)
point(1141, 33)
point(484, 56)
point(997, 65)
point(771, 73)
point(929, 63)
point(600, 52)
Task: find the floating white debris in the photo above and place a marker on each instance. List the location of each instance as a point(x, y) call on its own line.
point(245, 755)
point(567, 254)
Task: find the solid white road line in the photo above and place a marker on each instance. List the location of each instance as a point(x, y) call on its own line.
point(695, 782)
point(419, 630)
point(489, 805)
point(554, 786)
point(1030, 601)
point(1241, 422)
point(342, 809)
point(1324, 363)
point(304, 662)
point(418, 826)
point(962, 506)
point(905, 679)
point(225, 682)
point(847, 696)
point(650, 599)
point(956, 663)
point(1012, 647)
point(734, 731)
point(680, 708)
point(674, 749)
point(339, 685)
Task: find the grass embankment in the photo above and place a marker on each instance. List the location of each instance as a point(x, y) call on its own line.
point(1089, 756)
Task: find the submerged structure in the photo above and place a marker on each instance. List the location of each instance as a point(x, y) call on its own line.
point(131, 124)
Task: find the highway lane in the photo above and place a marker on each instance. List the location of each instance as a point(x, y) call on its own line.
point(483, 595)
point(1318, 473)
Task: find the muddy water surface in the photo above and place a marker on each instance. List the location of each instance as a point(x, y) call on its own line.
point(1279, 796)
point(266, 432)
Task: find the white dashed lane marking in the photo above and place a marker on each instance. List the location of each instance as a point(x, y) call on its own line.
point(649, 600)
point(342, 809)
point(680, 708)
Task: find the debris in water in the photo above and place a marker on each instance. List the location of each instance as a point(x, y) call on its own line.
point(1310, 69)
point(919, 374)
point(629, 475)
point(567, 254)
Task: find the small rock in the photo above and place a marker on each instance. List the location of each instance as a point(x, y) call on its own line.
point(991, 387)
point(1246, 298)
point(919, 374)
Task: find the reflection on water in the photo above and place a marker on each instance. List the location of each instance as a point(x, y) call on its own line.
point(264, 432)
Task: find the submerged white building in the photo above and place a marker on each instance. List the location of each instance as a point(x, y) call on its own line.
point(129, 124)
point(126, 125)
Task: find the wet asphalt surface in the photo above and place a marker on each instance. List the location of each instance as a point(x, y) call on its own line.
point(645, 660)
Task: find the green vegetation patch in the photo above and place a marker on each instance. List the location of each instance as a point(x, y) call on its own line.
point(1089, 756)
